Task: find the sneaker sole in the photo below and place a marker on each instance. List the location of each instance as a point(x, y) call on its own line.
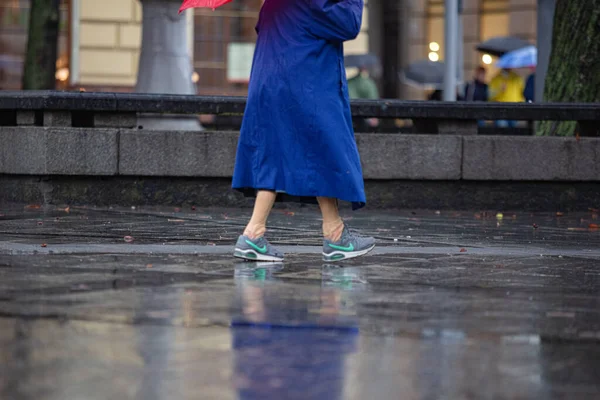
point(251, 255)
point(341, 255)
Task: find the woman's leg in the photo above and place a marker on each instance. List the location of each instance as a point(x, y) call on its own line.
point(257, 226)
point(333, 225)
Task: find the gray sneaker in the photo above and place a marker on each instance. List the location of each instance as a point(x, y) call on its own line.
point(349, 246)
point(256, 250)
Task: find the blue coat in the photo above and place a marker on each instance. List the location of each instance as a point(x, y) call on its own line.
point(297, 136)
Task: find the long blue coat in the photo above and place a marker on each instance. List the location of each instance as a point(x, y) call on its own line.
point(297, 136)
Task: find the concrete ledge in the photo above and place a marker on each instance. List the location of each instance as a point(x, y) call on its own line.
point(531, 158)
point(110, 151)
point(168, 153)
point(60, 151)
point(427, 157)
point(217, 192)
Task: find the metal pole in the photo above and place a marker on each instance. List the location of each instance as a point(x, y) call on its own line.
point(461, 54)
point(545, 22)
point(450, 49)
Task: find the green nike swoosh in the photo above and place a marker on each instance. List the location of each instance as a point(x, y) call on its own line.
point(341, 248)
point(261, 250)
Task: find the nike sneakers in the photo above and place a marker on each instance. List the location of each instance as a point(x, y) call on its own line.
point(256, 250)
point(350, 245)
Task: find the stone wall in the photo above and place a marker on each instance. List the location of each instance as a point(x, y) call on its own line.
point(89, 165)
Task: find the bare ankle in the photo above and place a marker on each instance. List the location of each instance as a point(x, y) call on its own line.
point(332, 231)
point(255, 231)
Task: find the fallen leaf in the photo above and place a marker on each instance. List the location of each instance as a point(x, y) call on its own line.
point(128, 239)
point(290, 213)
point(593, 227)
point(148, 265)
point(560, 214)
point(535, 226)
point(44, 245)
point(33, 207)
point(577, 137)
point(463, 250)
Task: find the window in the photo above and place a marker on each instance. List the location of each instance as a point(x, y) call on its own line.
point(223, 45)
point(435, 29)
point(14, 18)
point(494, 19)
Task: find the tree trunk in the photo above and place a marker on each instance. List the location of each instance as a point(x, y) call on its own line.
point(42, 45)
point(574, 69)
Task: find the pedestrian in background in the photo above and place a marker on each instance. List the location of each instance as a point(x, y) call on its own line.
point(477, 89)
point(529, 91)
point(506, 87)
point(363, 87)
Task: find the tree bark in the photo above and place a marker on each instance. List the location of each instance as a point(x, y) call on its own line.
point(42, 45)
point(574, 69)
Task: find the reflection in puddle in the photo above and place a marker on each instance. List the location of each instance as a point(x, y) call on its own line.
point(291, 346)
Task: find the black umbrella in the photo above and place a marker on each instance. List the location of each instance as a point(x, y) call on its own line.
point(425, 74)
point(498, 46)
point(369, 61)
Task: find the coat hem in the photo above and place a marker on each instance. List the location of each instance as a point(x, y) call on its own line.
point(285, 197)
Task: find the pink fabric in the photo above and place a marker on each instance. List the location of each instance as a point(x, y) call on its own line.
point(202, 3)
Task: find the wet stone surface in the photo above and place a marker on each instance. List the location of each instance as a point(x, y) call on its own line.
point(469, 305)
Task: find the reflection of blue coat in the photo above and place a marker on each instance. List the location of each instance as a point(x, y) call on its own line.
point(297, 134)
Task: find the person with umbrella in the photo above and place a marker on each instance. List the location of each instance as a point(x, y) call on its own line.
point(524, 57)
point(297, 137)
point(507, 87)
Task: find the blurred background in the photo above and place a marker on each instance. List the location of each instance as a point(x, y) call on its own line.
point(99, 42)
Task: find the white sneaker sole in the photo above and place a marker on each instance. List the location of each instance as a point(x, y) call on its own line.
point(345, 255)
point(251, 255)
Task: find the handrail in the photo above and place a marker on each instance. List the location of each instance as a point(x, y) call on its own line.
point(222, 105)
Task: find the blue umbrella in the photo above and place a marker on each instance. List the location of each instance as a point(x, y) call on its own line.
point(525, 57)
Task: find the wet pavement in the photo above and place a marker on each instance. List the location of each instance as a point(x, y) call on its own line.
point(147, 304)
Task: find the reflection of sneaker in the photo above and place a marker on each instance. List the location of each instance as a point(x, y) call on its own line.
point(349, 246)
point(256, 250)
point(348, 278)
point(257, 271)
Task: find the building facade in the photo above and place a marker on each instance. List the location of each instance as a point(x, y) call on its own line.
point(100, 40)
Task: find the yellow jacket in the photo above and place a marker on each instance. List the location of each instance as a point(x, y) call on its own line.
point(507, 87)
